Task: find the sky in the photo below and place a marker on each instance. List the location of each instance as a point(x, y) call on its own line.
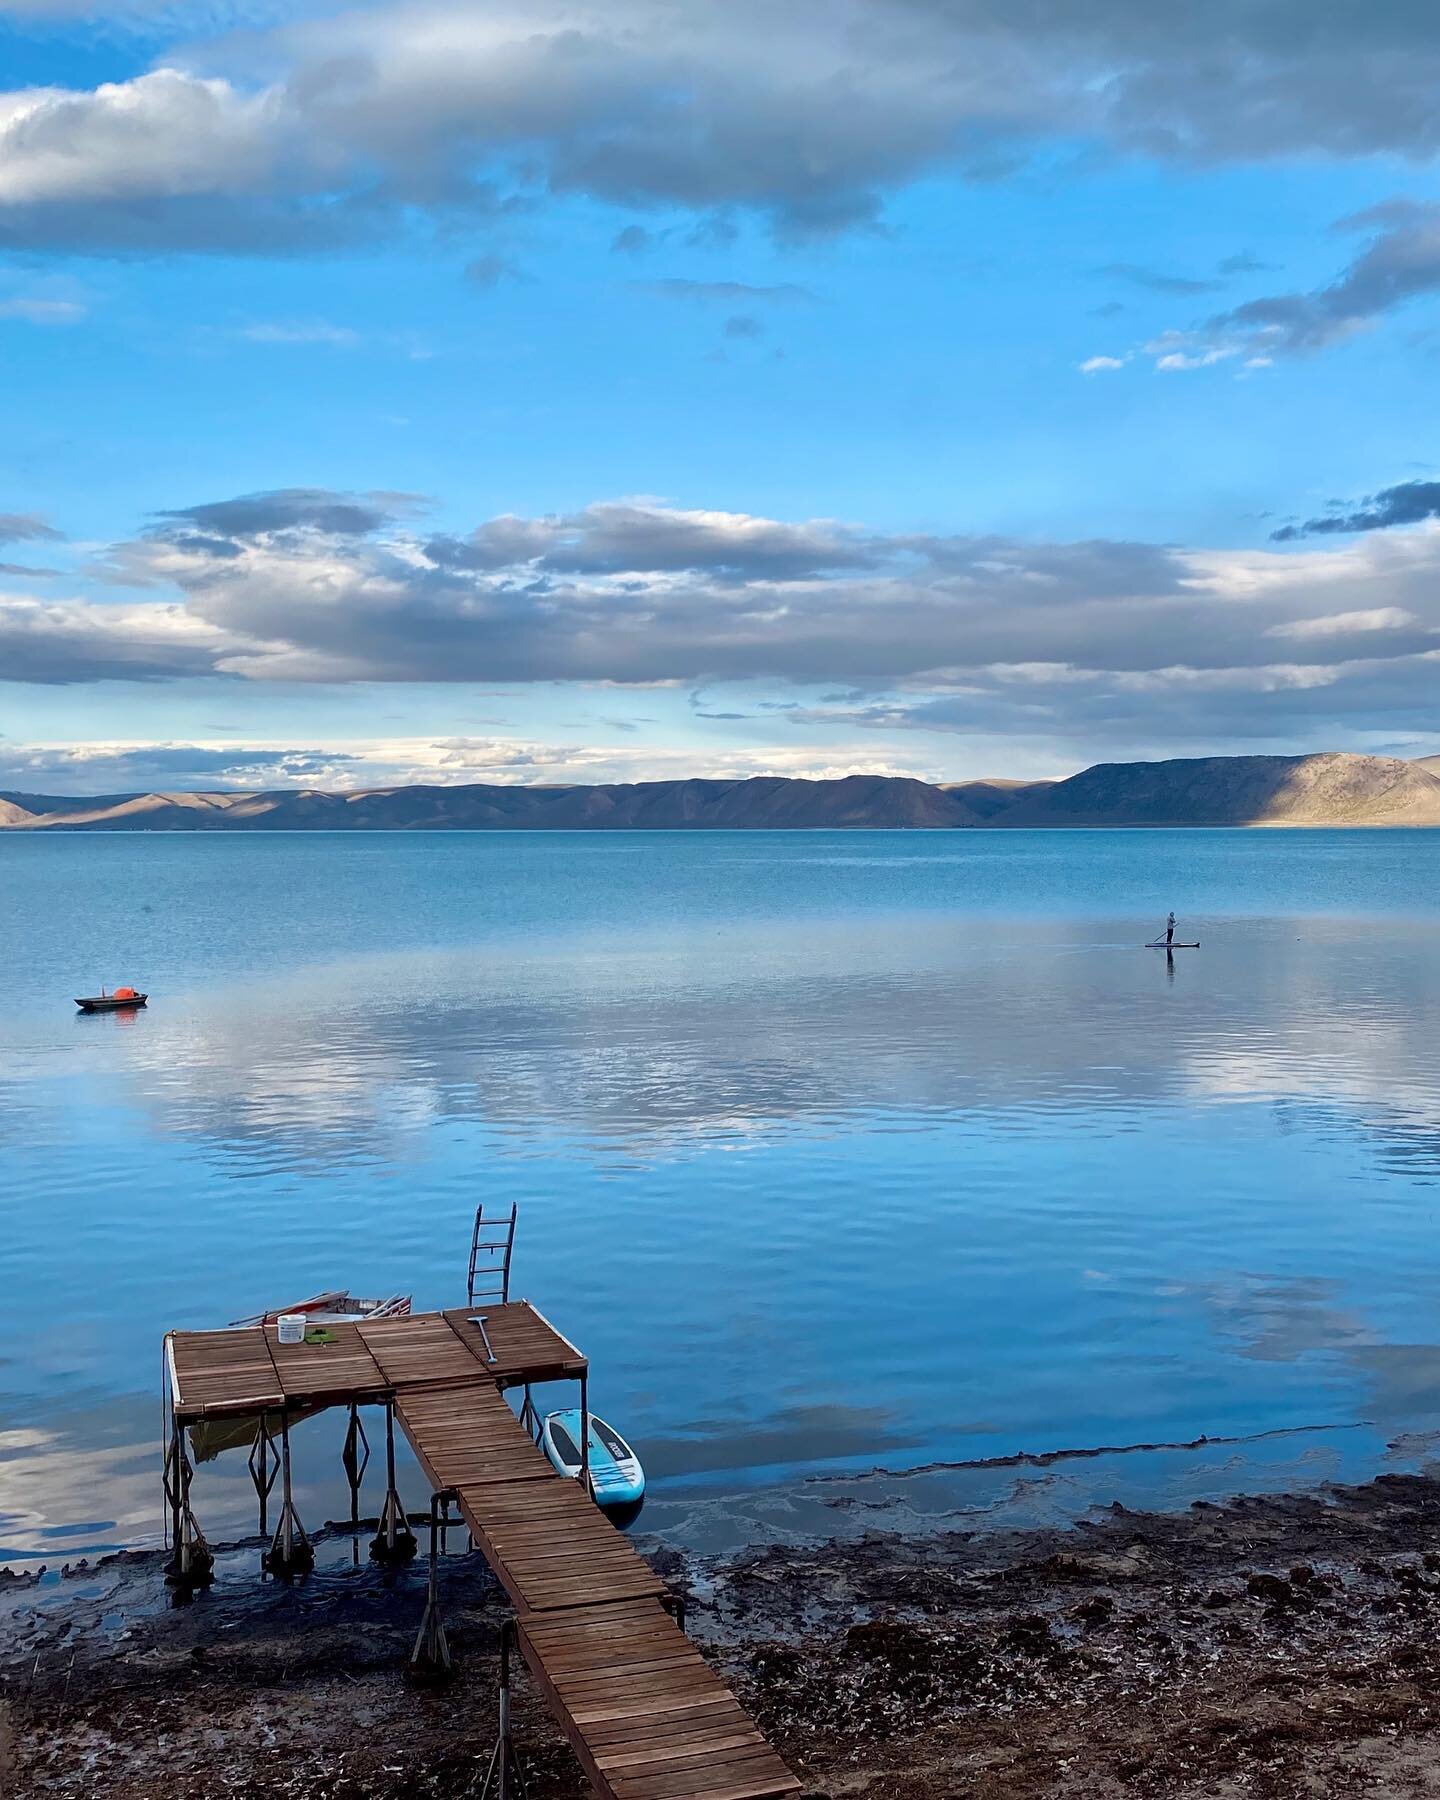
point(579, 392)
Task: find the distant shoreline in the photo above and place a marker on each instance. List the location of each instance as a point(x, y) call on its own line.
point(1329, 790)
point(1260, 827)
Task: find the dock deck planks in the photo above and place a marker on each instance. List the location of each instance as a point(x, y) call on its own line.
point(222, 1371)
point(645, 1713)
point(240, 1369)
point(319, 1374)
point(421, 1348)
point(527, 1346)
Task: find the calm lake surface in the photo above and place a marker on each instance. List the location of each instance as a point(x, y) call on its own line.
point(837, 1152)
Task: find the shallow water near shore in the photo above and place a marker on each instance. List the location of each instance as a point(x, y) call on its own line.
point(834, 1151)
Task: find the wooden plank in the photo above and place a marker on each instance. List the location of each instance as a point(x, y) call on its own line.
point(643, 1710)
point(336, 1371)
point(699, 1774)
point(467, 1438)
point(421, 1348)
point(652, 1752)
point(215, 1372)
point(527, 1346)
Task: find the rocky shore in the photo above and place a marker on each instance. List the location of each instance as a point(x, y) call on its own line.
point(1272, 1647)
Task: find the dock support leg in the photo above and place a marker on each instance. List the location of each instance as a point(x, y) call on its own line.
point(431, 1655)
point(585, 1481)
point(356, 1458)
point(290, 1552)
point(394, 1542)
point(191, 1564)
point(264, 1467)
point(504, 1776)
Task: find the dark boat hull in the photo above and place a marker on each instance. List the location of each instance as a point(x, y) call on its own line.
point(107, 1003)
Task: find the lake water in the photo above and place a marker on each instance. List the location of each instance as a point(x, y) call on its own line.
point(838, 1153)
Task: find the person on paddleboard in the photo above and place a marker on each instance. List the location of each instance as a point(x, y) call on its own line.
point(1170, 931)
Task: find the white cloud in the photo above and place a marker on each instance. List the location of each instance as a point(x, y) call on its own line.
point(1057, 642)
point(1377, 618)
point(348, 766)
point(36, 309)
point(807, 116)
point(301, 331)
point(1097, 365)
point(1172, 360)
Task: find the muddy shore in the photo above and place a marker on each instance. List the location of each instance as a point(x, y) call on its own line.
point(1272, 1647)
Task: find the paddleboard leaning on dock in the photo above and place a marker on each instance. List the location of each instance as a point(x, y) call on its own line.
point(616, 1477)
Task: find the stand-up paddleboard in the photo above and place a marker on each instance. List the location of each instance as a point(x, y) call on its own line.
point(615, 1472)
point(1160, 944)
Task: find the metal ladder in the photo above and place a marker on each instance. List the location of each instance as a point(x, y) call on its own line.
point(491, 1245)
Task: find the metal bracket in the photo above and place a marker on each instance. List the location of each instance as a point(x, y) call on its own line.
point(264, 1462)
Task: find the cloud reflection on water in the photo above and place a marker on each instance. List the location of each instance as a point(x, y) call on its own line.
point(886, 1188)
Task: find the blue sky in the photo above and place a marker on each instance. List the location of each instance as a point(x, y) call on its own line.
point(636, 391)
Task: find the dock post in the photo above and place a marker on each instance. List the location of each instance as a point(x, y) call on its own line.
point(431, 1655)
point(504, 1776)
point(394, 1542)
point(191, 1564)
point(290, 1552)
point(170, 1476)
point(264, 1467)
point(585, 1482)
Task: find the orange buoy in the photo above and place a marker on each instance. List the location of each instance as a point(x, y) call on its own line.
point(123, 993)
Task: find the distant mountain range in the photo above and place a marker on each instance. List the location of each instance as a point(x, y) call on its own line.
point(1327, 789)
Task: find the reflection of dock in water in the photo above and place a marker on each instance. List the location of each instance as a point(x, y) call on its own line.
point(645, 1714)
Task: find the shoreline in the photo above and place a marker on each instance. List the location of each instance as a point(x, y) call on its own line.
point(1277, 1645)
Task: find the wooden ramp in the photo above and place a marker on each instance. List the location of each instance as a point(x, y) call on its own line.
point(646, 1715)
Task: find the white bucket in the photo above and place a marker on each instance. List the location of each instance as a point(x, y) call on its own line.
point(291, 1328)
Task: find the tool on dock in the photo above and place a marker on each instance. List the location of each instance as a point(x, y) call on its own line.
point(479, 1319)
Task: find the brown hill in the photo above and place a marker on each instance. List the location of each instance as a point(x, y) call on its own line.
point(992, 794)
point(1332, 788)
point(1328, 789)
point(761, 802)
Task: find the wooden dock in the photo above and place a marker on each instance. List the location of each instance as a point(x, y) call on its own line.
point(644, 1712)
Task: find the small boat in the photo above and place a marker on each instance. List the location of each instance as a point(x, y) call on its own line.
point(124, 999)
point(335, 1306)
point(1160, 944)
point(615, 1472)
